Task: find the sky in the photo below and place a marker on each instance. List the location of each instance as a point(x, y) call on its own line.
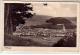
point(56, 9)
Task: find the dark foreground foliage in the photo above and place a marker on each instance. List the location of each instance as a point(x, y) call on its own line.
point(67, 42)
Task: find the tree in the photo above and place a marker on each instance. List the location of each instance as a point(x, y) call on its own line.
point(13, 15)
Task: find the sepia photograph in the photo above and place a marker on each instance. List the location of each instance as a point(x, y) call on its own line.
point(43, 24)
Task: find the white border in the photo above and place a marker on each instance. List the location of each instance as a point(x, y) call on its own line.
point(41, 49)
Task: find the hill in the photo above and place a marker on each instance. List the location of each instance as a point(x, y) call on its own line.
point(40, 21)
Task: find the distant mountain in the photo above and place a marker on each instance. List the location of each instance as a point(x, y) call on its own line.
point(40, 21)
point(67, 21)
point(37, 20)
point(58, 20)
